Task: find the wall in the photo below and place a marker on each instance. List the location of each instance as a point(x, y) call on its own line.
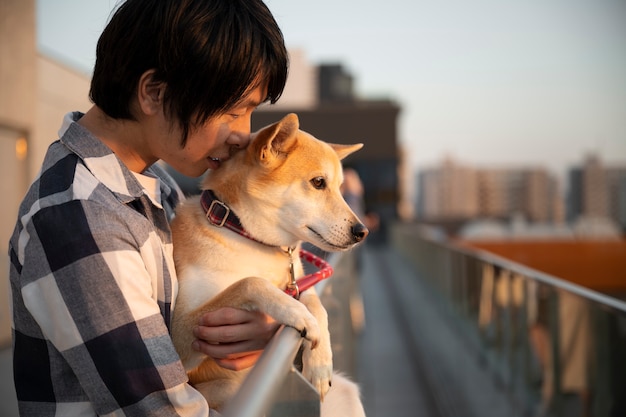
point(35, 92)
point(60, 89)
point(17, 125)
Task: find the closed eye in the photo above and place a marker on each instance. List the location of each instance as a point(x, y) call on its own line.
point(319, 183)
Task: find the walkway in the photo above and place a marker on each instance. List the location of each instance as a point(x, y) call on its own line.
point(412, 359)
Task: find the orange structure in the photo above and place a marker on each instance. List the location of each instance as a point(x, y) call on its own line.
point(596, 264)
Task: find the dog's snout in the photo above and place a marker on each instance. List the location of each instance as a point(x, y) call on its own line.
point(359, 231)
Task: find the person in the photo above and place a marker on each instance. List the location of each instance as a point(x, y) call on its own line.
point(91, 269)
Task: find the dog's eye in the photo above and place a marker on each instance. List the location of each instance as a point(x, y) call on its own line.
point(319, 183)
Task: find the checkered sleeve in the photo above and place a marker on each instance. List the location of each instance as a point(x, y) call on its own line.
point(90, 282)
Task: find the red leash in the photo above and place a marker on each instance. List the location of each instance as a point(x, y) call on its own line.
point(307, 281)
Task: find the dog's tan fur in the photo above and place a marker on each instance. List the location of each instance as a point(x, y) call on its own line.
point(274, 188)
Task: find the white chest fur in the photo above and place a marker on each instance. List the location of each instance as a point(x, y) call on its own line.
point(218, 270)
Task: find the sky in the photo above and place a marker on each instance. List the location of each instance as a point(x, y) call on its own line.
point(485, 82)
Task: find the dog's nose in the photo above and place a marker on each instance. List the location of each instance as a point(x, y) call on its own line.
point(359, 231)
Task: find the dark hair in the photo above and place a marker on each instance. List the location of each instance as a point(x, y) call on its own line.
point(210, 53)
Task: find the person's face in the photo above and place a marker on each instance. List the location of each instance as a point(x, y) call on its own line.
point(208, 145)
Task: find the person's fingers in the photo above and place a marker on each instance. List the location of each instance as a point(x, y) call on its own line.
point(226, 316)
point(229, 325)
point(234, 338)
point(227, 350)
point(222, 334)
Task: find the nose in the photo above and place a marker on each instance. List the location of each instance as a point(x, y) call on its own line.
point(359, 232)
point(238, 140)
point(240, 132)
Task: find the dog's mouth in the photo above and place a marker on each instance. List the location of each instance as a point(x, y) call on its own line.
point(330, 245)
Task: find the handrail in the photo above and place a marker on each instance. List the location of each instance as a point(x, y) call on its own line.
point(513, 266)
point(550, 345)
point(264, 380)
point(542, 277)
point(262, 384)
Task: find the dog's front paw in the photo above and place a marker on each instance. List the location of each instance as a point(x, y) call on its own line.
point(308, 328)
point(317, 368)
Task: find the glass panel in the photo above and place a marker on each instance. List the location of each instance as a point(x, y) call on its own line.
point(554, 349)
point(296, 398)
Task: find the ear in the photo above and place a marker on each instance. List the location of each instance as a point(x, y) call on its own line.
point(276, 140)
point(150, 93)
point(345, 150)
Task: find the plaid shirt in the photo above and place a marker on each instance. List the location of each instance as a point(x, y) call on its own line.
point(93, 282)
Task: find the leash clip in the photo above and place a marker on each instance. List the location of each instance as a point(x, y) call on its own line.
point(293, 284)
point(209, 213)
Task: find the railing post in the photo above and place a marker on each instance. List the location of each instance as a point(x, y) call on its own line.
point(555, 399)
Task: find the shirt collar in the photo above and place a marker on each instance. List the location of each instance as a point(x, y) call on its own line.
point(100, 159)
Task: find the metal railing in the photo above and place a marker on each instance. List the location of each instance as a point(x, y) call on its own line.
point(264, 385)
point(274, 387)
point(555, 348)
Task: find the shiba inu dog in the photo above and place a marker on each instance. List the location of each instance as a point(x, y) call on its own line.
point(236, 243)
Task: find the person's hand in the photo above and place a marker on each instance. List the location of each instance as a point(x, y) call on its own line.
point(234, 338)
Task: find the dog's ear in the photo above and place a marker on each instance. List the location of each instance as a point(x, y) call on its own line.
point(345, 150)
point(276, 140)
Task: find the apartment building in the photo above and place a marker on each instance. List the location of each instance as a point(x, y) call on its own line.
point(453, 191)
point(597, 191)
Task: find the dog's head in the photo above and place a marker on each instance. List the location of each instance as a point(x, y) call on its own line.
point(285, 187)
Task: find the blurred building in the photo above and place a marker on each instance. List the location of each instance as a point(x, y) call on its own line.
point(335, 84)
point(597, 191)
point(456, 193)
point(449, 191)
point(301, 90)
